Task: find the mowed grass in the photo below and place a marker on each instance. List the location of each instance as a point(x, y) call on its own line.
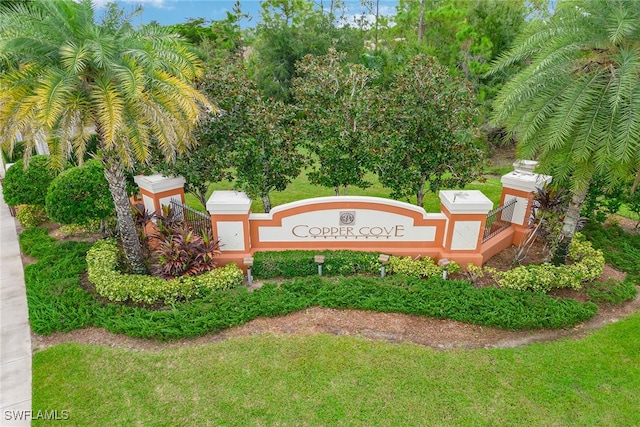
point(329, 380)
point(300, 189)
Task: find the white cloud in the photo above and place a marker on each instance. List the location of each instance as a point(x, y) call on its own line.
point(162, 4)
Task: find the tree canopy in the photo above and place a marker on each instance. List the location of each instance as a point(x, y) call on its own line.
point(73, 77)
point(576, 104)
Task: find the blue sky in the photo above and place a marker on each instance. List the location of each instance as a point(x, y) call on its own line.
point(168, 12)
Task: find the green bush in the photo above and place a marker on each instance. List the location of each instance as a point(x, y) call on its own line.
point(290, 264)
point(621, 250)
point(28, 186)
point(103, 262)
point(58, 303)
point(587, 266)
point(80, 195)
point(31, 215)
point(421, 267)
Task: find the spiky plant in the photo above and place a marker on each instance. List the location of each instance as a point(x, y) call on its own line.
point(65, 76)
point(576, 103)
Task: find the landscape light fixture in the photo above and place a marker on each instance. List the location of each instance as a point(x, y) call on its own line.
point(319, 259)
point(384, 259)
point(248, 261)
point(444, 263)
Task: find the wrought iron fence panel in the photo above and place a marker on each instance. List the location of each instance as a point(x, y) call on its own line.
point(499, 219)
point(197, 221)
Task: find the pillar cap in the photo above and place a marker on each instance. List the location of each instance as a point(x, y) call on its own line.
point(524, 181)
point(465, 201)
point(229, 202)
point(158, 183)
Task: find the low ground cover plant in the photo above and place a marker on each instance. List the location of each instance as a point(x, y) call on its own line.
point(58, 302)
point(103, 261)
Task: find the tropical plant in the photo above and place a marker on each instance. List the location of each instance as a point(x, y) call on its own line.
point(185, 253)
point(70, 77)
point(575, 104)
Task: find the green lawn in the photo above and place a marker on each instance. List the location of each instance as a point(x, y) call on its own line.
point(328, 380)
point(301, 189)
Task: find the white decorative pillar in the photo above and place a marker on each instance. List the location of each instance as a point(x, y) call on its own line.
point(520, 185)
point(230, 220)
point(158, 190)
point(466, 212)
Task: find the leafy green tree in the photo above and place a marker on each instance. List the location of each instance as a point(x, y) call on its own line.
point(210, 160)
point(28, 185)
point(223, 40)
point(336, 100)
point(266, 157)
point(291, 29)
point(250, 139)
point(132, 87)
point(464, 35)
point(576, 104)
point(80, 195)
point(425, 132)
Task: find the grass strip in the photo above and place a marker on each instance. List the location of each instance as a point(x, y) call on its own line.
point(329, 380)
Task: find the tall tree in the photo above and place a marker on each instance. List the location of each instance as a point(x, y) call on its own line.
point(75, 76)
point(291, 29)
point(576, 105)
point(425, 128)
point(336, 99)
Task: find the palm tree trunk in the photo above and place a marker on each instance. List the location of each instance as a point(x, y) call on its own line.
point(114, 173)
point(571, 219)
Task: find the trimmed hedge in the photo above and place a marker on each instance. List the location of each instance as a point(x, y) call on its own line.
point(28, 186)
point(58, 303)
point(80, 195)
point(102, 265)
point(587, 266)
point(299, 263)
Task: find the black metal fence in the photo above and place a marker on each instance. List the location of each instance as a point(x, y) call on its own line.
point(198, 221)
point(499, 219)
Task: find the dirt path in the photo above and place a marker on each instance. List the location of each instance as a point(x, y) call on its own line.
point(391, 327)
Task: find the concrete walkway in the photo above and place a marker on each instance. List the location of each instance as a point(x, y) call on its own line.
point(15, 333)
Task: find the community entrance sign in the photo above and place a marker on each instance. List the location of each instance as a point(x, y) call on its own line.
point(363, 223)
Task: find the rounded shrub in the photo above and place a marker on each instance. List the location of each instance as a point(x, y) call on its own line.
point(28, 186)
point(80, 195)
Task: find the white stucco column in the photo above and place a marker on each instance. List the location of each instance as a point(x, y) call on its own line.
point(466, 211)
point(158, 190)
point(230, 220)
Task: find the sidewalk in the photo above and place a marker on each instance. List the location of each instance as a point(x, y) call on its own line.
point(15, 333)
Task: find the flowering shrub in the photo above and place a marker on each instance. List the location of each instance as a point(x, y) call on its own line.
point(103, 260)
point(587, 266)
point(421, 267)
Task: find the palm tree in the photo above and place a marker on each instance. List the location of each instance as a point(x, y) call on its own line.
point(576, 103)
point(70, 77)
